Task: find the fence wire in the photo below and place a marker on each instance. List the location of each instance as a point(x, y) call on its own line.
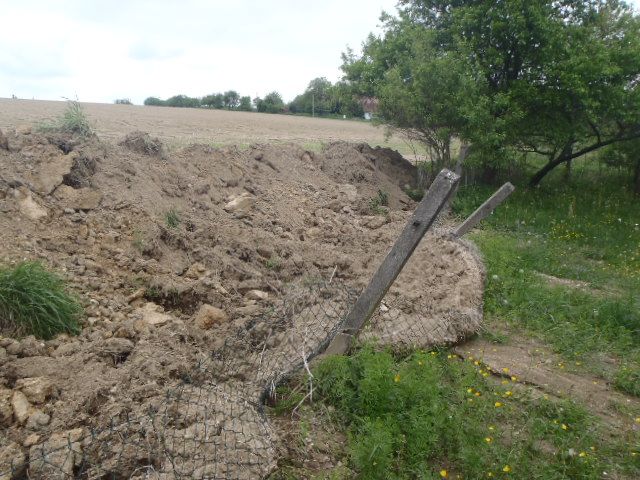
point(210, 425)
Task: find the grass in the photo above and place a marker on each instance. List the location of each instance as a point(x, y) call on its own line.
point(172, 218)
point(73, 120)
point(433, 415)
point(35, 301)
point(586, 232)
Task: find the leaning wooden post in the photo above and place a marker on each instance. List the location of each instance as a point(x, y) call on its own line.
point(428, 209)
point(484, 210)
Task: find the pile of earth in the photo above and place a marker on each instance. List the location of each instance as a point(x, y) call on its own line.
point(205, 275)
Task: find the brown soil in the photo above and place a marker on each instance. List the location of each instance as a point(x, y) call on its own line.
point(156, 382)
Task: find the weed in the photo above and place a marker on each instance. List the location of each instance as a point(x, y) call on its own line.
point(430, 412)
point(379, 201)
point(35, 301)
point(172, 218)
point(627, 379)
point(414, 194)
point(273, 263)
point(73, 120)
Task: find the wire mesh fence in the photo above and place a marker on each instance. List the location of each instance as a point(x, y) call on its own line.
point(210, 424)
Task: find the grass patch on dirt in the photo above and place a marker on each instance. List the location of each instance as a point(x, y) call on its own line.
point(73, 120)
point(34, 301)
point(433, 415)
point(563, 263)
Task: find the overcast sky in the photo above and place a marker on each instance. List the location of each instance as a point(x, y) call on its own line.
point(100, 50)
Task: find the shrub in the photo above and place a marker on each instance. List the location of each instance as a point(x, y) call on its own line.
point(172, 218)
point(123, 101)
point(35, 301)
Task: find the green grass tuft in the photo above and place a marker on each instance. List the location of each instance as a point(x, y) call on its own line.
point(73, 120)
point(172, 218)
point(35, 301)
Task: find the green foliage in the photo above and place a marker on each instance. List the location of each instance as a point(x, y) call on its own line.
point(182, 101)
point(215, 100)
point(379, 201)
point(271, 103)
point(414, 416)
point(154, 102)
point(556, 78)
point(627, 379)
point(73, 120)
point(322, 98)
point(172, 218)
point(231, 100)
point(34, 301)
point(414, 194)
point(123, 101)
point(245, 104)
point(586, 234)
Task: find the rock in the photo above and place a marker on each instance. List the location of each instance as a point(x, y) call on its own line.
point(57, 457)
point(21, 407)
point(31, 440)
point(117, 347)
point(6, 410)
point(240, 204)
point(349, 191)
point(208, 316)
point(257, 295)
point(27, 206)
point(376, 222)
point(12, 461)
point(14, 348)
point(153, 314)
point(66, 349)
point(23, 129)
point(32, 347)
point(51, 173)
point(78, 199)
point(136, 295)
point(249, 310)
point(36, 389)
point(37, 420)
point(4, 142)
point(195, 271)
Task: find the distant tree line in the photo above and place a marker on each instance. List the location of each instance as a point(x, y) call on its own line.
point(321, 98)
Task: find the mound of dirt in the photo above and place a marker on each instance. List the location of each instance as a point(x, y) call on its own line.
point(142, 142)
point(205, 277)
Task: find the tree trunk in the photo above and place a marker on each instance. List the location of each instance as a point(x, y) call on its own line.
point(636, 177)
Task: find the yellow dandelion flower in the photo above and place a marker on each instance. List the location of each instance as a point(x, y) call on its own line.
point(564, 426)
point(506, 469)
point(477, 394)
point(505, 370)
point(505, 382)
point(420, 362)
point(508, 393)
point(488, 439)
point(433, 353)
point(492, 428)
point(498, 404)
point(469, 390)
point(593, 449)
point(489, 474)
point(396, 378)
point(637, 419)
point(476, 363)
point(485, 374)
point(444, 473)
point(582, 454)
point(514, 378)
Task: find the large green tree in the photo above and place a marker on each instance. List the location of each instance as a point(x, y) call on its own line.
point(556, 78)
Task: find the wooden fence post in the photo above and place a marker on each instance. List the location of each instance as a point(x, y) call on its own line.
point(484, 210)
point(426, 212)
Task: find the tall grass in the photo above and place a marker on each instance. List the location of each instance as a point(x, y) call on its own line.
point(35, 301)
point(73, 120)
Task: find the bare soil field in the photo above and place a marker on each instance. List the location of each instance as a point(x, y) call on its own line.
point(183, 126)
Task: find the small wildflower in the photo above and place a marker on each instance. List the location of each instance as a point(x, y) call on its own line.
point(489, 474)
point(476, 363)
point(582, 454)
point(637, 419)
point(488, 439)
point(469, 390)
point(498, 404)
point(485, 374)
point(514, 378)
point(564, 426)
point(420, 362)
point(505, 370)
point(477, 394)
point(508, 393)
point(492, 428)
point(396, 378)
point(506, 469)
point(444, 473)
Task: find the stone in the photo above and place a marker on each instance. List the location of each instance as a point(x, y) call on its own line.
point(153, 315)
point(21, 407)
point(37, 420)
point(6, 409)
point(240, 204)
point(117, 347)
point(12, 461)
point(14, 348)
point(51, 173)
point(36, 389)
point(57, 457)
point(78, 199)
point(31, 440)
point(195, 271)
point(27, 206)
point(209, 316)
point(349, 191)
point(376, 222)
point(4, 142)
point(257, 295)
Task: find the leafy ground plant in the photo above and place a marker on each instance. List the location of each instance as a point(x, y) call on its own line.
point(172, 218)
point(73, 120)
point(36, 301)
point(433, 415)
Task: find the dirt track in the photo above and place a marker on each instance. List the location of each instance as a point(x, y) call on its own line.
point(182, 126)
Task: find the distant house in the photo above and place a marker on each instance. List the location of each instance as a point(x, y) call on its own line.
point(370, 107)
